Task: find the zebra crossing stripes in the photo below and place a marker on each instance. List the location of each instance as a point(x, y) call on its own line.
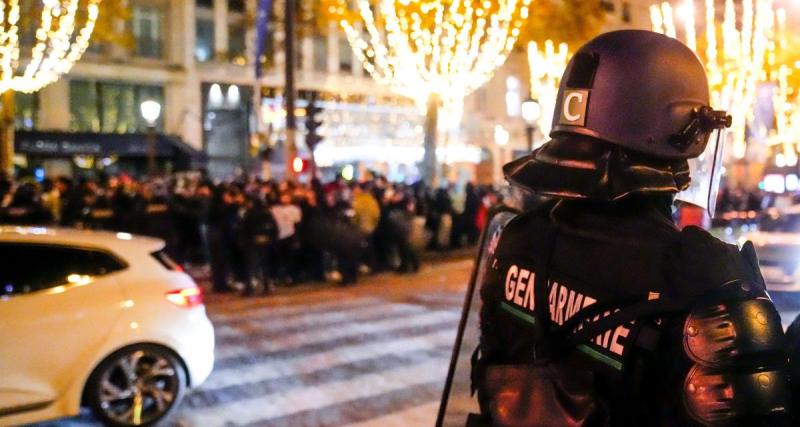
point(281, 404)
point(329, 364)
point(367, 408)
point(327, 359)
point(229, 334)
point(313, 337)
point(413, 416)
point(233, 311)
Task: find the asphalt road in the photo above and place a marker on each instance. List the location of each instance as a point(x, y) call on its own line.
point(374, 354)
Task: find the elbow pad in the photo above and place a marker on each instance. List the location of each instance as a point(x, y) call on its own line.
point(735, 339)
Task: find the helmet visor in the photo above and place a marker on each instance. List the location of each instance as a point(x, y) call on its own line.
point(705, 171)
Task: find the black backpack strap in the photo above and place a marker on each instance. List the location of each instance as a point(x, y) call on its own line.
point(565, 337)
point(541, 309)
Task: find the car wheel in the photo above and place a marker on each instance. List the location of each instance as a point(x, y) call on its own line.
point(137, 385)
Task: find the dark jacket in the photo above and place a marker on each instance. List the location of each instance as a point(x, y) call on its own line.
point(569, 265)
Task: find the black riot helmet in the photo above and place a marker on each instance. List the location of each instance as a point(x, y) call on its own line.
point(633, 106)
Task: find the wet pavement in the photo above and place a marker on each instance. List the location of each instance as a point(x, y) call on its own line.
point(374, 354)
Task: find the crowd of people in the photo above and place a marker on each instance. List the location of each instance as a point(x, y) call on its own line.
point(257, 234)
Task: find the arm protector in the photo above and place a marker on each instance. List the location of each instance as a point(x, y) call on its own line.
point(739, 375)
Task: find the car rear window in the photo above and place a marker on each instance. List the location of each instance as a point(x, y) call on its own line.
point(32, 267)
point(166, 261)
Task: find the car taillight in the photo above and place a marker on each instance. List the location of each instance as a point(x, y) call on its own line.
point(187, 297)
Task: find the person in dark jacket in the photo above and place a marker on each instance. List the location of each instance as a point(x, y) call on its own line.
point(26, 208)
point(221, 236)
point(472, 203)
point(399, 220)
point(596, 309)
point(258, 234)
point(311, 243)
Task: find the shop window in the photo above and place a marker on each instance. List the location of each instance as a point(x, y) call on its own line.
point(204, 49)
point(513, 97)
point(26, 110)
point(97, 48)
point(83, 106)
point(110, 107)
point(345, 55)
point(147, 30)
point(268, 53)
point(320, 53)
point(298, 57)
point(236, 6)
point(236, 43)
point(626, 12)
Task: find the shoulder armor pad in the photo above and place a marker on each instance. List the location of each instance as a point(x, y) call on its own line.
point(735, 338)
point(726, 332)
point(717, 398)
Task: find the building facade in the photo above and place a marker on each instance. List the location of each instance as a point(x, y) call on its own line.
point(196, 58)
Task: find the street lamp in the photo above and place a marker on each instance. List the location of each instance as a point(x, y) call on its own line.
point(501, 136)
point(531, 112)
point(151, 110)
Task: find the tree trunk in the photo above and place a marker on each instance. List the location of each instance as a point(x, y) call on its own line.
point(429, 162)
point(7, 134)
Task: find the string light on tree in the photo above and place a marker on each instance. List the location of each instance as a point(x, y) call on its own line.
point(434, 51)
point(60, 40)
point(787, 116)
point(736, 62)
point(59, 43)
point(785, 101)
point(546, 67)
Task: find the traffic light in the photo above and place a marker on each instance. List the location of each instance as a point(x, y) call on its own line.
point(313, 122)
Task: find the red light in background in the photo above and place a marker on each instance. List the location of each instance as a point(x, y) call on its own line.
point(298, 165)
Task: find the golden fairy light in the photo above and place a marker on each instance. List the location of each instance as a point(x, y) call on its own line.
point(59, 43)
point(434, 49)
point(787, 116)
point(546, 64)
point(785, 101)
point(735, 62)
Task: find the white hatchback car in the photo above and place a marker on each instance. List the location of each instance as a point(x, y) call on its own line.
point(99, 319)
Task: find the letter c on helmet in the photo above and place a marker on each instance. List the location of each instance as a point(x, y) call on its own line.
point(568, 101)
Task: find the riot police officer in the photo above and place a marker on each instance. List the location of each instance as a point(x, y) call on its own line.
point(597, 309)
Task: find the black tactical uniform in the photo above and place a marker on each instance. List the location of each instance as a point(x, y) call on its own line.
point(25, 209)
point(596, 309)
point(258, 234)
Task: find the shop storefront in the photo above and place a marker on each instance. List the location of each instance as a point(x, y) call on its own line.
point(227, 117)
point(90, 154)
point(363, 134)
